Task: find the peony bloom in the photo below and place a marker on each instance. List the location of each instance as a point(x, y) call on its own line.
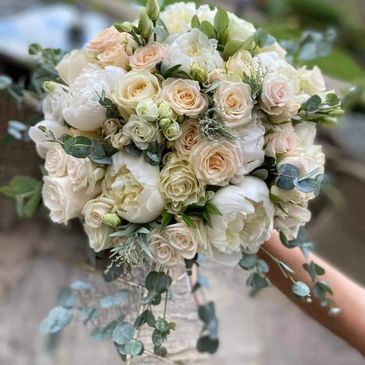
point(215, 162)
point(135, 87)
point(184, 97)
point(190, 136)
point(147, 57)
point(247, 217)
point(193, 48)
point(179, 186)
point(63, 202)
point(177, 17)
point(56, 161)
point(82, 108)
point(132, 184)
point(71, 65)
point(41, 139)
point(54, 101)
point(234, 102)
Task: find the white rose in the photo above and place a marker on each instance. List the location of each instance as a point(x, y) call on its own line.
point(184, 97)
point(71, 65)
point(183, 239)
point(215, 162)
point(133, 185)
point(311, 81)
point(110, 126)
point(84, 174)
point(63, 202)
point(119, 140)
point(235, 102)
point(247, 217)
point(147, 57)
point(306, 133)
point(56, 161)
point(280, 139)
point(82, 108)
point(240, 63)
point(99, 238)
point(275, 47)
point(163, 253)
point(53, 103)
point(148, 110)
point(95, 209)
point(193, 48)
point(289, 218)
point(177, 17)
point(135, 87)
point(140, 131)
point(239, 29)
point(291, 196)
point(41, 139)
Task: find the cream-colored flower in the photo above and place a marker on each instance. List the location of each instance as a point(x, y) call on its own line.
point(95, 209)
point(71, 65)
point(84, 174)
point(240, 63)
point(183, 239)
point(119, 140)
point(140, 131)
point(63, 202)
point(280, 139)
point(53, 103)
point(215, 162)
point(99, 238)
point(239, 29)
point(147, 57)
point(162, 251)
point(133, 184)
point(110, 126)
point(104, 40)
point(189, 137)
point(135, 87)
point(311, 81)
point(179, 186)
point(177, 17)
point(234, 102)
point(56, 161)
point(115, 55)
point(148, 110)
point(184, 97)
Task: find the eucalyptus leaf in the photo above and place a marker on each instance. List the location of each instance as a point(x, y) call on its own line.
point(57, 319)
point(248, 261)
point(301, 289)
point(123, 333)
point(115, 299)
point(206, 344)
point(287, 174)
point(133, 347)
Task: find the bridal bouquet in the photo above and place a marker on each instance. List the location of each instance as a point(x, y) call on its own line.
point(182, 135)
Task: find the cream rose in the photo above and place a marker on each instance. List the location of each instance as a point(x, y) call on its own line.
point(183, 239)
point(311, 81)
point(63, 202)
point(147, 57)
point(104, 40)
point(71, 65)
point(56, 161)
point(114, 55)
point(110, 126)
point(247, 217)
point(95, 209)
point(184, 97)
point(135, 87)
point(239, 29)
point(99, 238)
point(132, 184)
point(119, 140)
point(240, 63)
point(189, 137)
point(235, 102)
point(163, 253)
point(179, 186)
point(148, 110)
point(280, 139)
point(84, 174)
point(140, 131)
point(215, 162)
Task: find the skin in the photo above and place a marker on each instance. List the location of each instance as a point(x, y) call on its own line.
point(349, 324)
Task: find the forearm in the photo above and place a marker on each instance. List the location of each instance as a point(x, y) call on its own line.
point(348, 296)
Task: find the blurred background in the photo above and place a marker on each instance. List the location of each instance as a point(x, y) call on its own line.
point(37, 258)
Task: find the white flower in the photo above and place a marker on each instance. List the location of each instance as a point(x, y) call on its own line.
point(184, 97)
point(247, 217)
point(41, 138)
point(56, 161)
point(63, 202)
point(119, 140)
point(135, 87)
point(83, 173)
point(140, 131)
point(71, 65)
point(306, 133)
point(95, 209)
point(183, 239)
point(275, 47)
point(204, 12)
point(177, 17)
point(215, 162)
point(239, 29)
point(99, 238)
point(133, 185)
point(280, 139)
point(193, 48)
point(311, 81)
point(240, 63)
point(148, 110)
point(82, 108)
point(53, 103)
point(110, 126)
point(235, 102)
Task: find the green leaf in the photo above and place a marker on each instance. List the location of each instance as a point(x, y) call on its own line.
point(145, 317)
point(169, 72)
point(206, 344)
point(208, 29)
point(206, 312)
point(248, 261)
point(301, 289)
point(231, 48)
point(123, 333)
point(66, 298)
point(287, 173)
point(221, 21)
point(57, 319)
point(34, 48)
point(115, 299)
point(312, 104)
point(158, 281)
point(262, 266)
point(134, 348)
point(113, 272)
point(79, 146)
point(212, 209)
point(313, 270)
point(133, 150)
point(188, 221)
point(195, 23)
point(321, 288)
point(166, 219)
point(262, 38)
point(81, 285)
point(104, 333)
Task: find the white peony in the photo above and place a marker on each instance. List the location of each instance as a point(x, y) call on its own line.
point(177, 17)
point(239, 29)
point(133, 185)
point(82, 109)
point(41, 139)
point(193, 48)
point(247, 218)
point(63, 202)
point(71, 65)
point(53, 103)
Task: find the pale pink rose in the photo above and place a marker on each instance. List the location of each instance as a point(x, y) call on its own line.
point(104, 40)
point(147, 57)
point(279, 140)
point(188, 139)
point(115, 55)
